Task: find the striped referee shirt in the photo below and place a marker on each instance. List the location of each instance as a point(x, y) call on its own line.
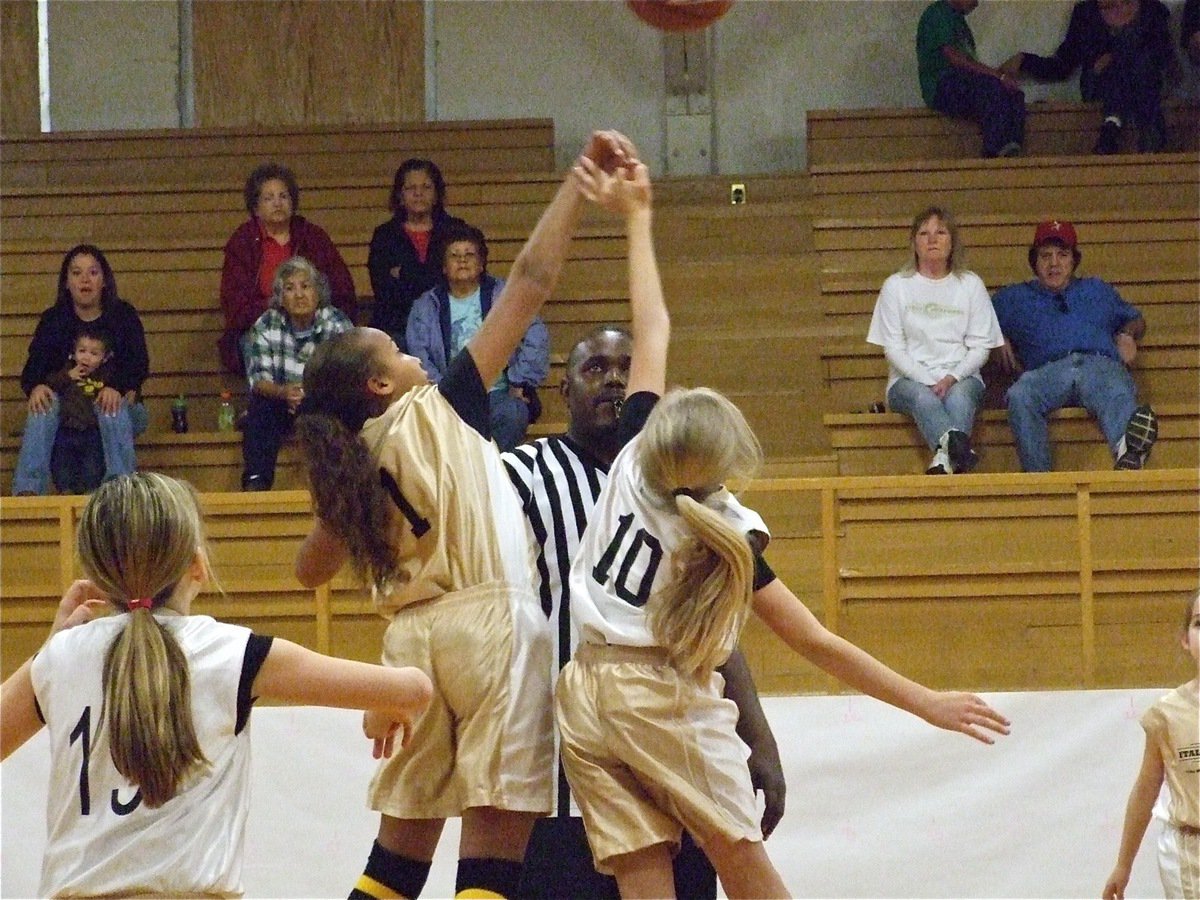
point(558, 482)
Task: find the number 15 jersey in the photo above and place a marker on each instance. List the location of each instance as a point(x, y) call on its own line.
point(101, 838)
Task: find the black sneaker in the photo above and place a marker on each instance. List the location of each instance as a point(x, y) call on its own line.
point(1109, 141)
point(958, 447)
point(255, 483)
point(1140, 435)
point(940, 464)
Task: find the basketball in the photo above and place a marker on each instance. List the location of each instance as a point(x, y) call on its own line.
point(679, 15)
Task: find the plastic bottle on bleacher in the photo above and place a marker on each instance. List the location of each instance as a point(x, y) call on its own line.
point(225, 413)
point(179, 422)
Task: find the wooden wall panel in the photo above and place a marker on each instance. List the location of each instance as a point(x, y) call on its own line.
point(19, 106)
point(1085, 584)
point(292, 62)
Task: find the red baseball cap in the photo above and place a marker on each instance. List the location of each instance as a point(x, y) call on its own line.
point(1056, 230)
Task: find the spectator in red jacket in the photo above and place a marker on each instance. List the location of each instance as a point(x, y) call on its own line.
point(255, 250)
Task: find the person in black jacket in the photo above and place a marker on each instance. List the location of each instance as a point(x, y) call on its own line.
point(1189, 31)
point(1122, 48)
point(405, 257)
point(87, 294)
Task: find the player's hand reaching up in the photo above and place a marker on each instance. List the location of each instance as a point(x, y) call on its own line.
point(622, 192)
point(958, 711)
point(609, 151)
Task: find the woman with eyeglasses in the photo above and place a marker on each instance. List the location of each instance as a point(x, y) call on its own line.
point(936, 325)
point(404, 260)
point(445, 317)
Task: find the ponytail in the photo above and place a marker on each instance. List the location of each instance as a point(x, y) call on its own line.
point(148, 702)
point(344, 481)
point(699, 614)
point(138, 537)
point(694, 441)
point(342, 475)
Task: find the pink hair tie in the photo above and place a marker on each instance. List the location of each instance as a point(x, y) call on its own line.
point(141, 603)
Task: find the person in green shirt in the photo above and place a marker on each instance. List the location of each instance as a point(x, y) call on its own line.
point(955, 82)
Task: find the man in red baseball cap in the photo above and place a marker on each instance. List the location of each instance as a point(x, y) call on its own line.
point(1073, 339)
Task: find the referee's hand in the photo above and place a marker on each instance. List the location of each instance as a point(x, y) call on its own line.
point(766, 774)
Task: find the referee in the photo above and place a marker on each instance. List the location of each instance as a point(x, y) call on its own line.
point(559, 479)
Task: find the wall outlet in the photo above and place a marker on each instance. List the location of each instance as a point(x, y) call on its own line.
point(737, 194)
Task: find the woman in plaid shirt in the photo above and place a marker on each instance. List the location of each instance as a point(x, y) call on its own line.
point(281, 341)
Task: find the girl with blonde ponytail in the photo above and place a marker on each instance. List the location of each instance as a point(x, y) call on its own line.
point(668, 569)
point(148, 707)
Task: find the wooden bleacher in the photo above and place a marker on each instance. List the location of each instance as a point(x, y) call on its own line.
point(173, 281)
point(226, 155)
point(1088, 592)
point(1095, 563)
point(889, 443)
point(1165, 371)
point(1038, 186)
point(1052, 128)
point(1139, 223)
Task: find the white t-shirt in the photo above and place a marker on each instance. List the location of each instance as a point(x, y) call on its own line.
point(930, 328)
point(625, 555)
point(101, 838)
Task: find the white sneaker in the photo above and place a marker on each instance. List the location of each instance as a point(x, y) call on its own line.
point(940, 464)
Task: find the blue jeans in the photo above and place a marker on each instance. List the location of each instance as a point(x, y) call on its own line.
point(1100, 384)
point(999, 111)
point(117, 431)
point(935, 417)
point(509, 418)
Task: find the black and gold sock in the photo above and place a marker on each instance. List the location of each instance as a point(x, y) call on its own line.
point(390, 876)
point(487, 879)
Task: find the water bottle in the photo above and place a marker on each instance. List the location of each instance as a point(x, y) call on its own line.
point(225, 414)
point(179, 423)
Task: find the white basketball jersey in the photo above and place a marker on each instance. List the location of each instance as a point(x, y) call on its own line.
point(101, 837)
point(625, 555)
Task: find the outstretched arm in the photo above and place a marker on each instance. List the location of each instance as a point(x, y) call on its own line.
point(784, 614)
point(627, 192)
point(1137, 817)
point(294, 674)
point(18, 710)
point(537, 267)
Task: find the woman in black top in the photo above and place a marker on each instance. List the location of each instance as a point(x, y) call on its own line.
point(87, 293)
point(403, 260)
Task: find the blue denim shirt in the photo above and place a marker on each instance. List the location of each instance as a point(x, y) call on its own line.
point(1040, 332)
point(428, 336)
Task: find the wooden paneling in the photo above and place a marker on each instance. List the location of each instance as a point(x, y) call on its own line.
point(224, 156)
point(996, 582)
point(293, 62)
point(20, 109)
point(1051, 129)
point(1167, 370)
point(973, 186)
point(889, 443)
